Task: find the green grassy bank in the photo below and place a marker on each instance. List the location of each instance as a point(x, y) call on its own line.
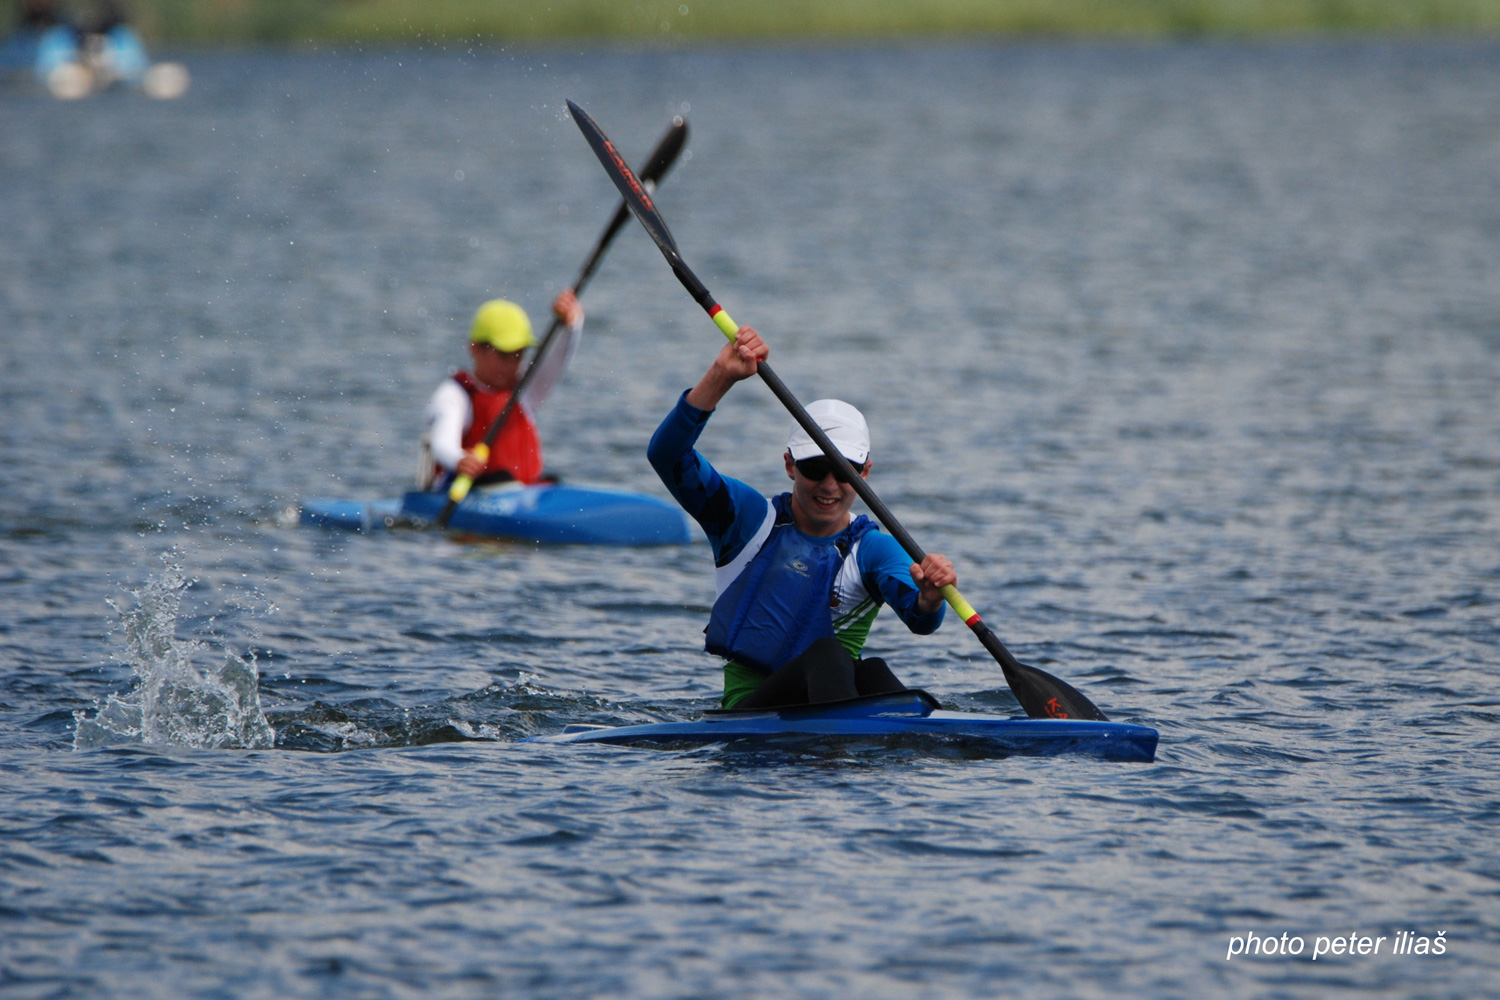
point(343, 21)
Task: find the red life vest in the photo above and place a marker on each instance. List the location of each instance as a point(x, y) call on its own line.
point(517, 448)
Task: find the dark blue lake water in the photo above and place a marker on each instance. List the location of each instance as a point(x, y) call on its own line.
point(1187, 355)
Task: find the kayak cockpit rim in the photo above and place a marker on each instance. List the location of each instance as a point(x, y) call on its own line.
point(909, 703)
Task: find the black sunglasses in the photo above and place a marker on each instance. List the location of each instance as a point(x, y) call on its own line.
point(818, 467)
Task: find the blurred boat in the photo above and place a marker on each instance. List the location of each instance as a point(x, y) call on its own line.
point(71, 64)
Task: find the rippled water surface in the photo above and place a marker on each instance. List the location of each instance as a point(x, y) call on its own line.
point(1187, 355)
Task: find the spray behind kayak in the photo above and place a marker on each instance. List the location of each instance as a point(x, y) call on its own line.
point(173, 700)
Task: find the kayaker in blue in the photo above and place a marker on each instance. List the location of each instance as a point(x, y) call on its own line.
point(799, 581)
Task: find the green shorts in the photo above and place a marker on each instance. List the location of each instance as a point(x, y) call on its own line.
point(739, 681)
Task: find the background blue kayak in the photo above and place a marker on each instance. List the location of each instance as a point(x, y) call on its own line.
point(555, 515)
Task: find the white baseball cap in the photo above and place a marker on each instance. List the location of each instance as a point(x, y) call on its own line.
point(844, 425)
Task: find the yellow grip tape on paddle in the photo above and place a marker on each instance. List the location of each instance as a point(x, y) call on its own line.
point(460, 489)
point(961, 607)
point(721, 318)
point(462, 484)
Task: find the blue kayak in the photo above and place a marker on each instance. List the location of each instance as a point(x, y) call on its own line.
point(552, 515)
point(904, 714)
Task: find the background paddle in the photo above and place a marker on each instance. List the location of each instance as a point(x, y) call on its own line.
point(661, 161)
point(1040, 694)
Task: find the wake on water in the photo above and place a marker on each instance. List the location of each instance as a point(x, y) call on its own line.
point(173, 701)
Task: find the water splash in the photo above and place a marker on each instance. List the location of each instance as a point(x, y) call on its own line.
point(172, 700)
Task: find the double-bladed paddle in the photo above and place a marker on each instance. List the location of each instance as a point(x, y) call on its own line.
point(1040, 694)
point(661, 161)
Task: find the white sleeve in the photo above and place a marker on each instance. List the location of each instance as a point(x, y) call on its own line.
point(448, 416)
point(553, 364)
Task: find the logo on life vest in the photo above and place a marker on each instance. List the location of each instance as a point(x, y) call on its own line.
point(798, 566)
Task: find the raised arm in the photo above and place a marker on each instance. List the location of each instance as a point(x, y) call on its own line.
point(567, 309)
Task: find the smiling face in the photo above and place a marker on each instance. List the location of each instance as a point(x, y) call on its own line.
point(500, 370)
point(821, 507)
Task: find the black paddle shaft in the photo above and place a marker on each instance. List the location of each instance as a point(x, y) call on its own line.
point(1040, 694)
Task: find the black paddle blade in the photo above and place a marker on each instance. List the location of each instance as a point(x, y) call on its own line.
point(662, 158)
point(1040, 694)
point(1046, 697)
point(631, 189)
point(666, 152)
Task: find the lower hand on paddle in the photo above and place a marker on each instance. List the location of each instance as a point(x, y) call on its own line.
point(931, 575)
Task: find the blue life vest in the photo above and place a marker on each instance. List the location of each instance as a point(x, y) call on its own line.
point(780, 603)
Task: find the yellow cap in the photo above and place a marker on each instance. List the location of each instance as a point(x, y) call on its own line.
point(503, 325)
